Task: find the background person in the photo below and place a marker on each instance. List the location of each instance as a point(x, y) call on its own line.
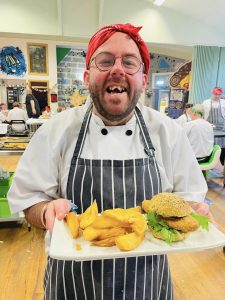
point(214, 109)
point(185, 117)
point(32, 105)
point(3, 112)
point(214, 113)
point(199, 133)
point(113, 134)
point(17, 114)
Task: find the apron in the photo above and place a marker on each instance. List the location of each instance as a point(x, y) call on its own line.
point(113, 183)
point(216, 118)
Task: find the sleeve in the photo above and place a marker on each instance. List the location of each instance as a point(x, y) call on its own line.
point(223, 108)
point(37, 174)
point(28, 98)
point(206, 107)
point(188, 180)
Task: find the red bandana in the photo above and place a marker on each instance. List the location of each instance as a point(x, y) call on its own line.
point(105, 33)
point(217, 91)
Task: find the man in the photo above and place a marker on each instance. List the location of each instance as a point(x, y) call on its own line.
point(199, 133)
point(112, 149)
point(214, 109)
point(185, 117)
point(17, 114)
point(3, 112)
point(32, 105)
point(214, 113)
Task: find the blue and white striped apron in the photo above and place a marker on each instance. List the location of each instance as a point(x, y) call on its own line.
point(113, 183)
point(216, 118)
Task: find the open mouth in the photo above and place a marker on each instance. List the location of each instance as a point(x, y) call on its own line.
point(116, 90)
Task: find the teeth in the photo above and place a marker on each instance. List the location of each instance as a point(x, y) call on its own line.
point(116, 88)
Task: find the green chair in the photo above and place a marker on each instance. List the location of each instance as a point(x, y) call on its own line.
point(213, 160)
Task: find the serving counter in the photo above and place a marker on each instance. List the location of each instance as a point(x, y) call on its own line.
point(9, 158)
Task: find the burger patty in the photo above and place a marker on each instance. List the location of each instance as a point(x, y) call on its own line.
point(184, 224)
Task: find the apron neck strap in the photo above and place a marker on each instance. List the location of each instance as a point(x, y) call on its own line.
point(148, 146)
point(82, 133)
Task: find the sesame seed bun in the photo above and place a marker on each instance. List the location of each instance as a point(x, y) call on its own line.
point(167, 205)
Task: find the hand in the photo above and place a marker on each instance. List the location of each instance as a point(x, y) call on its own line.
point(34, 111)
point(56, 209)
point(203, 209)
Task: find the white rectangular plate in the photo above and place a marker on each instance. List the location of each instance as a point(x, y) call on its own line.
point(63, 247)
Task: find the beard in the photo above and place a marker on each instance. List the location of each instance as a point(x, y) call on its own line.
point(97, 97)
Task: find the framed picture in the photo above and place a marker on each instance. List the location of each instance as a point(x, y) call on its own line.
point(37, 59)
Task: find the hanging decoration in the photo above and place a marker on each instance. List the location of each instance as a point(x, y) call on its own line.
point(12, 61)
point(180, 75)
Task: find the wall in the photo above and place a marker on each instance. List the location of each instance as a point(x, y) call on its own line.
point(70, 77)
point(52, 62)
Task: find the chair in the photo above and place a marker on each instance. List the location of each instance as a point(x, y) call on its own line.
point(213, 160)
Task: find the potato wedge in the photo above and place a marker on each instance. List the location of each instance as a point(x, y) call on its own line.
point(105, 243)
point(88, 217)
point(139, 225)
point(146, 205)
point(129, 241)
point(136, 208)
point(72, 221)
point(103, 221)
point(90, 233)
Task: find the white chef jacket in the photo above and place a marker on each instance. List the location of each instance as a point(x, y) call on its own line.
point(200, 135)
point(17, 114)
point(215, 104)
point(2, 117)
point(183, 119)
point(43, 169)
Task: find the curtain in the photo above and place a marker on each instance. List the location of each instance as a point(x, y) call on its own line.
point(207, 72)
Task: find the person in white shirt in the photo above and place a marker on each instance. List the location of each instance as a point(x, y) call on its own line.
point(3, 112)
point(214, 109)
point(112, 149)
point(185, 117)
point(214, 113)
point(17, 114)
point(199, 133)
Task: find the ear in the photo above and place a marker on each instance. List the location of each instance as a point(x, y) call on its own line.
point(144, 82)
point(86, 78)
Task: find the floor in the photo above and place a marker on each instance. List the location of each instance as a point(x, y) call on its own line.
point(196, 276)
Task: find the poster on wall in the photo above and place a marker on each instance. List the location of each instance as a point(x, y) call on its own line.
point(12, 61)
point(37, 59)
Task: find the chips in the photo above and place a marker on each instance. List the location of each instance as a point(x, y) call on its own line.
point(122, 227)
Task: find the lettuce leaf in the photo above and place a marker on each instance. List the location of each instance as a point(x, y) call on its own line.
point(156, 223)
point(202, 220)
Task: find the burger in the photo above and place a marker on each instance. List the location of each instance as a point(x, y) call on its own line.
point(170, 218)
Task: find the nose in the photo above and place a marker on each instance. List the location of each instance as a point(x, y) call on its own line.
point(117, 69)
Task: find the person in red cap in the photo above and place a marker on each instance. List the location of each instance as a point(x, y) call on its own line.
point(214, 113)
point(214, 109)
point(117, 151)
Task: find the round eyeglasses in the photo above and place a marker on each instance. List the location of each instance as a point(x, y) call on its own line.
point(104, 61)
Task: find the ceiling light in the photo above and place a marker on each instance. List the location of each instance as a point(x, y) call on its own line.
point(158, 2)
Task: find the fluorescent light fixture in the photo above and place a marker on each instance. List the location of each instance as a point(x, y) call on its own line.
point(158, 2)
